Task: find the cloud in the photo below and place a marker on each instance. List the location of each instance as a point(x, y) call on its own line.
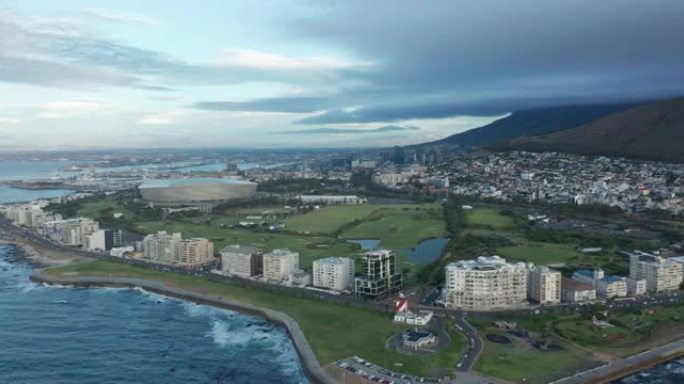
point(163, 118)
point(4, 120)
point(296, 104)
point(267, 60)
point(126, 17)
point(354, 131)
point(73, 108)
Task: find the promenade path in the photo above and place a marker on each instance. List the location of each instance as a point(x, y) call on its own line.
point(626, 366)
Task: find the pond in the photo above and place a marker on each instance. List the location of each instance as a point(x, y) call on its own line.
point(366, 244)
point(427, 251)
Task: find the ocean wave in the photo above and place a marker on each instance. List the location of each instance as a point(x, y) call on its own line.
point(224, 335)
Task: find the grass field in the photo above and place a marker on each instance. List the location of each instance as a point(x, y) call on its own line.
point(333, 331)
point(401, 227)
point(95, 209)
point(487, 217)
point(540, 253)
point(328, 220)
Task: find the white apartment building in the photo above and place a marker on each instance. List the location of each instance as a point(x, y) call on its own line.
point(573, 291)
point(71, 231)
point(167, 248)
point(485, 283)
point(636, 287)
point(279, 263)
point(336, 273)
point(543, 285)
point(606, 286)
point(241, 260)
point(660, 274)
point(161, 247)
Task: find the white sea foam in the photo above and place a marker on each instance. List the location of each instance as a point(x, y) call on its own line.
point(224, 336)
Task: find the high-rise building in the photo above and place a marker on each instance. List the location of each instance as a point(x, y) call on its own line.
point(75, 231)
point(380, 276)
point(101, 240)
point(485, 283)
point(660, 274)
point(336, 273)
point(195, 252)
point(161, 247)
point(241, 260)
point(279, 263)
point(544, 285)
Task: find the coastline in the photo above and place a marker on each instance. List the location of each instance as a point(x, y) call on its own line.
point(311, 366)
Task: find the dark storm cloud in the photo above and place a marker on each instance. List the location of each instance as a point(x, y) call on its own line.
point(467, 57)
point(354, 131)
point(276, 104)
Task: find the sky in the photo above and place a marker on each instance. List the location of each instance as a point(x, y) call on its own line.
point(348, 73)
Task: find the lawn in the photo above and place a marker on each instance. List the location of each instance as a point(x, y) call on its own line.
point(401, 227)
point(519, 362)
point(540, 253)
point(487, 217)
point(328, 220)
point(333, 331)
point(95, 209)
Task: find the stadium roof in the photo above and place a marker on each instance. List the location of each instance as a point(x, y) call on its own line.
point(160, 183)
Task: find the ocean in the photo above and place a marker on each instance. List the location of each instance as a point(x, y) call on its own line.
point(105, 335)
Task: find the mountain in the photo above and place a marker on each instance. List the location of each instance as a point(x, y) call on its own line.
point(653, 131)
point(532, 122)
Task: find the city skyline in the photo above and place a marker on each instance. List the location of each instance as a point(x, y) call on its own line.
point(300, 73)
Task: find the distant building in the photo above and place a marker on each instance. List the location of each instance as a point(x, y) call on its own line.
point(161, 247)
point(299, 278)
point(606, 286)
point(573, 291)
point(485, 283)
point(636, 287)
point(279, 263)
point(380, 276)
point(544, 285)
point(660, 274)
point(195, 252)
point(101, 240)
point(71, 231)
point(336, 273)
point(242, 260)
point(171, 249)
point(332, 199)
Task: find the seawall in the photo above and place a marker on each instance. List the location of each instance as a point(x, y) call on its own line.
point(310, 363)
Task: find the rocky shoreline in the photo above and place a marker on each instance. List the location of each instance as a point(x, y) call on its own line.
point(310, 362)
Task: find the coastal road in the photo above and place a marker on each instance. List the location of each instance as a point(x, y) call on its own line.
point(475, 344)
point(628, 365)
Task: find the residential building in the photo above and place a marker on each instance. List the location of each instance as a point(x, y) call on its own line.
point(660, 274)
point(636, 287)
point(299, 278)
point(485, 283)
point(102, 239)
point(573, 291)
point(544, 285)
point(606, 286)
point(332, 199)
point(242, 260)
point(279, 263)
point(336, 273)
point(75, 231)
point(161, 247)
point(195, 252)
point(380, 276)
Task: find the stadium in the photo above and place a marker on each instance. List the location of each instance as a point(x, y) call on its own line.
point(195, 190)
